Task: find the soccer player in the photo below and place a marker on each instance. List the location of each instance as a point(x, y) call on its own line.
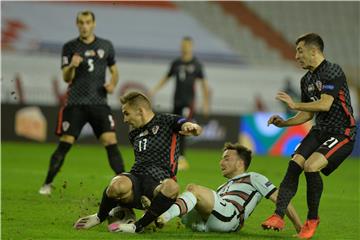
point(155, 139)
point(324, 94)
point(186, 70)
point(225, 210)
point(84, 63)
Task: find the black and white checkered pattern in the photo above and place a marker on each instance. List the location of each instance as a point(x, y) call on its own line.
point(328, 78)
point(87, 87)
point(156, 146)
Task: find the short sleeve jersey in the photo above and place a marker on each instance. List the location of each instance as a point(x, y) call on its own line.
point(246, 190)
point(156, 146)
point(185, 74)
point(329, 78)
point(87, 87)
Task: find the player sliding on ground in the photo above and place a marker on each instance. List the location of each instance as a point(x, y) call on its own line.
point(155, 139)
point(225, 210)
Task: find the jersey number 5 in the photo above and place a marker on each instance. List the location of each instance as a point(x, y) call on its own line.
point(91, 64)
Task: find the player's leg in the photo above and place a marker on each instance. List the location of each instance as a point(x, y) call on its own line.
point(327, 158)
point(121, 190)
point(196, 196)
point(289, 184)
point(103, 124)
point(70, 123)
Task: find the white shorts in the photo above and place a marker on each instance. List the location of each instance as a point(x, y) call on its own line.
point(224, 218)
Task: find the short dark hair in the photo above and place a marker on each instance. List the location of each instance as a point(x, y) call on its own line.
point(243, 152)
point(85, 13)
point(187, 38)
point(135, 98)
point(312, 38)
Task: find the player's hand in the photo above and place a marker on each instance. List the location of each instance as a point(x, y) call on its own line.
point(284, 97)
point(276, 120)
point(109, 87)
point(76, 60)
point(190, 129)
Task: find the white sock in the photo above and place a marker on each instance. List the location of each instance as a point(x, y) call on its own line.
point(184, 204)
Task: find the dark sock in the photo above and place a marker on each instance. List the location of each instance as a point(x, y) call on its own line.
point(115, 160)
point(158, 206)
point(288, 188)
point(105, 206)
point(314, 190)
point(56, 161)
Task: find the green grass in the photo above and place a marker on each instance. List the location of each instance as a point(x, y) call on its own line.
point(27, 215)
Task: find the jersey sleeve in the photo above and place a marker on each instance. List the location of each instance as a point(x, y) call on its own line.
point(262, 184)
point(66, 56)
point(111, 56)
point(200, 72)
point(175, 121)
point(333, 80)
point(171, 71)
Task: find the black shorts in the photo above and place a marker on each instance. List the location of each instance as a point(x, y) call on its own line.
point(72, 119)
point(142, 185)
point(335, 148)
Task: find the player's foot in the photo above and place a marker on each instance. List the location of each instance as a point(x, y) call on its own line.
point(183, 164)
point(87, 222)
point(45, 189)
point(309, 228)
point(127, 228)
point(274, 222)
point(159, 221)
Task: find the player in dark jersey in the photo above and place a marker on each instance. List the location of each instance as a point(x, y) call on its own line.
point(84, 63)
point(155, 139)
point(325, 94)
point(186, 70)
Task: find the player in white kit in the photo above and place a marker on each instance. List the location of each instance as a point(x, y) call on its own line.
point(225, 210)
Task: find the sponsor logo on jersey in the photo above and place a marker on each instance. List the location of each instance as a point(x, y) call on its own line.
point(90, 53)
point(100, 53)
point(155, 129)
point(65, 125)
point(328, 87)
point(318, 85)
point(268, 184)
point(144, 133)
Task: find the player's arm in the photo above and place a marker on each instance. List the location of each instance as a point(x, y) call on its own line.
point(190, 129)
point(69, 70)
point(321, 105)
point(110, 86)
point(205, 94)
point(300, 118)
point(158, 86)
point(290, 212)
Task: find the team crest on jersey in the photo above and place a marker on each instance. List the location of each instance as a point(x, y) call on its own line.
point(144, 133)
point(90, 53)
point(65, 125)
point(311, 88)
point(155, 129)
point(318, 85)
point(100, 53)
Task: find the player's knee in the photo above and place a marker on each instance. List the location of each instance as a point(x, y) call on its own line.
point(170, 188)
point(310, 167)
point(108, 138)
point(67, 138)
point(118, 187)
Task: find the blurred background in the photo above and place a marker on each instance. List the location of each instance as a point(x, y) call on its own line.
point(247, 49)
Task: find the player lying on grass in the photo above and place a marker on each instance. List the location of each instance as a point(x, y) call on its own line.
point(225, 210)
point(156, 147)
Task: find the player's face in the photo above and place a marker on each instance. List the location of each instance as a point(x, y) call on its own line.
point(132, 116)
point(230, 163)
point(304, 55)
point(86, 25)
point(186, 47)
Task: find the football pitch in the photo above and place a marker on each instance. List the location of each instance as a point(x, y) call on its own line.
point(27, 215)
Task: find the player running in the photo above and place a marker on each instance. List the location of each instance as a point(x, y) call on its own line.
point(155, 139)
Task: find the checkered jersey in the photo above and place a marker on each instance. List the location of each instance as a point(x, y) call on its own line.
point(185, 74)
point(156, 146)
point(87, 87)
point(328, 78)
point(245, 191)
